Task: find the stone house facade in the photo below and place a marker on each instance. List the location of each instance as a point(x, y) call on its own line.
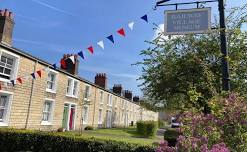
point(58, 97)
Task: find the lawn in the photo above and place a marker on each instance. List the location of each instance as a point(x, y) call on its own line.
point(118, 134)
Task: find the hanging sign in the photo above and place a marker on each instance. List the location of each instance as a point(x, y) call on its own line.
point(187, 21)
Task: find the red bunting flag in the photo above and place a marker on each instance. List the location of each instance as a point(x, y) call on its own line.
point(121, 32)
point(0, 86)
point(39, 73)
point(19, 80)
point(63, 64)
point(90, 49)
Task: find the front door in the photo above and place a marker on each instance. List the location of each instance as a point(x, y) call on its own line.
point(68, 117)
point(109, 119)
point(65, 116)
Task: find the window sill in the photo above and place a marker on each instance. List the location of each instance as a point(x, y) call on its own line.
point(5, 80)
point(71, 96)
point(86, 99)
point(2, 124)
point(84, 123)
point(50, 91)
point(45, 123)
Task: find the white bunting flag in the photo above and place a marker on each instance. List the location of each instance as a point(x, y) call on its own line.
point(131, 25)
point(101, 44)
point(72, 58)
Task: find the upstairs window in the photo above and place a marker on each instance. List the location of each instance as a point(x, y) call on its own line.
point(8, 65)
point(109, 100)
point(101, 97)
point(51, 81)
point(72, 87)
point(87, 92)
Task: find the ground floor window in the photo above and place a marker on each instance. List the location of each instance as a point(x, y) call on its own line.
point(5, 102)
point(47, 111)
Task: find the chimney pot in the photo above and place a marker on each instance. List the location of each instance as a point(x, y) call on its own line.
point(128, 94)
point(6, 26)
point(71, 67)
point(101, 80)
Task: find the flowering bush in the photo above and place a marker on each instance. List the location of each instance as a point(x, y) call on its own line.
point(223, 130)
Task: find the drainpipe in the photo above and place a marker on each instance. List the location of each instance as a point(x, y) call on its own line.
point(31, 96)
point(94, 105)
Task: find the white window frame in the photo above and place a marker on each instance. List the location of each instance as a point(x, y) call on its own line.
point(5, 121)
point(100, 117)
point(109, 100)
point(115, 101)
point(71, 88)
point(48, 122)
point(55, 83)
point(101, 97)
point(14, 71)
point(88, 94)
point(85, 120)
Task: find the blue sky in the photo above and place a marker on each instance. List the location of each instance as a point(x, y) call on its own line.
point(50, 28)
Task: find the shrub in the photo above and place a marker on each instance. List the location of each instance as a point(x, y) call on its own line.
point(171, 135)
point(23, 140)
point(161, 124)
point(147, 128)
point(89, 128)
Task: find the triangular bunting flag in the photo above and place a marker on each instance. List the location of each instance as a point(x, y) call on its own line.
point(121, 32)
point(13, 82)
point(39, 73)
point(111, 38)
point(33, 75)
point(145, 18)
point(81, 54)
point(131, 25)
point(63, 63)
point(19, 80)
point(72, 58)
point(101, 44)
point(90, 49)
point(54, 66)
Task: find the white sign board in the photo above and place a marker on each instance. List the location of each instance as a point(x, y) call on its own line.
point(187, 21)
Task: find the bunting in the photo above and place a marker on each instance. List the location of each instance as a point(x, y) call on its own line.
point(19, 80)
point(81, 54)
point(63, 64)
point(90, 49)
point(33, 75)
point(131, 25)
point(145, 18)
point(101, 44)
point(39, 73)
point(72, 58)
point(111, 38)
point(121, 32)
point(13, 82)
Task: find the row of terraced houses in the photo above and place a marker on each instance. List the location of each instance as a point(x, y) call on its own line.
point(60, 98)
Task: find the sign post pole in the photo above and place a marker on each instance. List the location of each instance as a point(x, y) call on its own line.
point(223, 47)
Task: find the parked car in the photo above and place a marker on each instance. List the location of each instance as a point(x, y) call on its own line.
point(175, 123)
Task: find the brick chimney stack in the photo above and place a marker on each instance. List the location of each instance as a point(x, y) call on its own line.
point(6, 27)
point(68, 65)
point(136, 99)
point(128, 94)
point(117, 88)
point(101, 80)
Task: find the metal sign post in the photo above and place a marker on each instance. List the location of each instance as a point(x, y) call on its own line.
point(223, 45)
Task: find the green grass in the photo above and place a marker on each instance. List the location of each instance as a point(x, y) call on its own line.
point(128, 135)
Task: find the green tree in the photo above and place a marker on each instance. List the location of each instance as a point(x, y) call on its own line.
point(185, 71)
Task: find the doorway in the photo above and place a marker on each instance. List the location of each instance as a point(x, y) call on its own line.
point(68, 122)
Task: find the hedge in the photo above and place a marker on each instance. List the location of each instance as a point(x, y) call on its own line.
point(22, 140)
point(171, 135)
point(147, 128)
